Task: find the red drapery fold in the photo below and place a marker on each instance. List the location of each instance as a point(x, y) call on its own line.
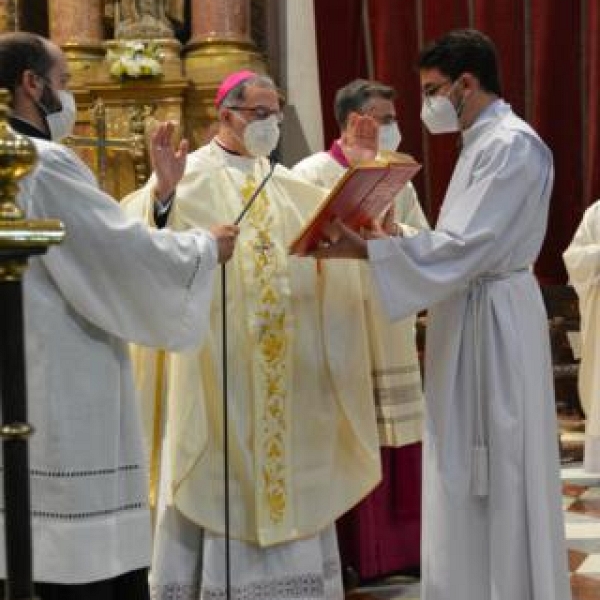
point(556, 115)
point(504, 22)
point(341, 52)
point(439, 152)
point(394, 63)
point(550, 63)
point(591, 95)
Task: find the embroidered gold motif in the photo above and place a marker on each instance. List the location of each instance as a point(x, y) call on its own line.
point(271, 359)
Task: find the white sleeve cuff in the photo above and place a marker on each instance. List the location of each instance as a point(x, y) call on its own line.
point(208, 248)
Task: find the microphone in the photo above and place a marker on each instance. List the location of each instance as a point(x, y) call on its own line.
point(257, 191)
point(261, 185)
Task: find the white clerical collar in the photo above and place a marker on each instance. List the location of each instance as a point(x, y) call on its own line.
point(233, 160)
point(494, 111)
point(247, 165)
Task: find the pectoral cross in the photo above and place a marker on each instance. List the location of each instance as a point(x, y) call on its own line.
point(263, 248)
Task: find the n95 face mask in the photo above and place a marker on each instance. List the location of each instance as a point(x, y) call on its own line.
point(439, 115)
point(389, 136)
point(61, 122)
point(59, 110)
point(261, 137)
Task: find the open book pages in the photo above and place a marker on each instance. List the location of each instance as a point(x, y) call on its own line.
point(364, 193)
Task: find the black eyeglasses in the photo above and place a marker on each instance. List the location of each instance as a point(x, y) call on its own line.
point(430, 92)
point(382, 119)
point(260, 113)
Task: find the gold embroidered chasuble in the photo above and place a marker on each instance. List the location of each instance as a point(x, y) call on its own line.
point(303, 438)
point(396, 376)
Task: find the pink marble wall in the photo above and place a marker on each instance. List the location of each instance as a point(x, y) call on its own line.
point(221, 19)
point(77, 21)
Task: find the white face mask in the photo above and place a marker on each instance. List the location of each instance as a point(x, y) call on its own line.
point(261, 137)
point(389, 136)
point(61, 122)
point(439, 115)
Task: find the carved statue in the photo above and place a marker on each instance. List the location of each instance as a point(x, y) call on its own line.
point(146, 19)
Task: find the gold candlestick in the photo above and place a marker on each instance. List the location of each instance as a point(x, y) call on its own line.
point(19, 239)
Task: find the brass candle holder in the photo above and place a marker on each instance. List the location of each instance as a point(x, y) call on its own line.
point(20, 238)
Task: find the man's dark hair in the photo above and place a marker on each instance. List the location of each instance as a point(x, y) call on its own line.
point(464, 51)
point(353, 97)
point(19, 52)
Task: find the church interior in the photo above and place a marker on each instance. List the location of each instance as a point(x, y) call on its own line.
point(550, 62)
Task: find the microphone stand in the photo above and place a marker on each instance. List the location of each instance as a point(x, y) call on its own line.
point(237, 221)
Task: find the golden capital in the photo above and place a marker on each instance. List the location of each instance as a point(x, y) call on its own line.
point(16, 431)
point(19, 237)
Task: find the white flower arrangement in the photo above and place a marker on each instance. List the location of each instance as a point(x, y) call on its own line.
point(134, 60)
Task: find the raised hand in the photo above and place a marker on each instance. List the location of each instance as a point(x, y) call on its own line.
point(360, 139)
point(168, 162)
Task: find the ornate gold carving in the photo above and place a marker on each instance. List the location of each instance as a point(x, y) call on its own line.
point(28, 234)
point(9, 16)
point(215, 58)
point(272, 361)
point(16, 431)
point(131, 112)
point(135, 144)
point(139, 154)
point(85, 61)
point(17, 158)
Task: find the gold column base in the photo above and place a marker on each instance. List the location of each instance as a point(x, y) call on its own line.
point(208, 61)
point(84, 60)
point(16, 431)
point(206, 64)
point(158, 100)
point(20, 238)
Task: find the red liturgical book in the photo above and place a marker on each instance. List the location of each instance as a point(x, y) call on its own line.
point(364, 193)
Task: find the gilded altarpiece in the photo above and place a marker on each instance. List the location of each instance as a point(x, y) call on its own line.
point(117, 112)
point(115, 124)
point(8, 15)
point(117, 115)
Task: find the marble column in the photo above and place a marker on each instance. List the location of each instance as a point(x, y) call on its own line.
point(74, 21)
point(76, 26)
point(220, 44)
point(221, 20)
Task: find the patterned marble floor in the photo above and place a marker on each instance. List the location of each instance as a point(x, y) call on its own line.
point(581, 502)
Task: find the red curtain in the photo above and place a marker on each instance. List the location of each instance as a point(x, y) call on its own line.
point(591, 95)
point(341, 52)
point(550, 63)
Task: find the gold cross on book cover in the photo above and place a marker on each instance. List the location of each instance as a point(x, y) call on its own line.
point(364, 193)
